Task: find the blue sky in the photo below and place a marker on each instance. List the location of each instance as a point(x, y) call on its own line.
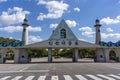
point(44, 15)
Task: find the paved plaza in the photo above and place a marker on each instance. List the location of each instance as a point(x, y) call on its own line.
point(60, 71)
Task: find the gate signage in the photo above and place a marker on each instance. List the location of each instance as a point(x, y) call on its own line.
point(11, 44)
point(110, 44)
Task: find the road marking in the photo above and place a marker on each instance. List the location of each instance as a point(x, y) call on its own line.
point(94, 77)
point(115, 76)
point(54, 78)
point(42, 78)
point(80, 77)
point(67, 77)
point(106, 77)
point(30, 78)
point(4, 78)
point(17, 78)
point(24, 71)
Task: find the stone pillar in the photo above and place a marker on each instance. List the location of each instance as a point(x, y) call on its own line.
point(117, 51)
point(106, 52)
point(100, 57)
point(2, 56)
point(23, 56)
point(75, 55)
point(16, 56)
point(49, 55)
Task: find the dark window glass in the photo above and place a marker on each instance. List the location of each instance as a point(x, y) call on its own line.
point(101, 56)
point(50, 43)
point(63, 42)
point(98, 30)
point(63, 33)
point(57, 43)
point(69, 42)
point(76, 43)
point(23, 56)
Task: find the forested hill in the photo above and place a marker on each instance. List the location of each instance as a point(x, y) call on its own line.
point(2, 39)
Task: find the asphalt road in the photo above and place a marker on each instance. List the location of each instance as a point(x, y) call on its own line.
point(60, 71)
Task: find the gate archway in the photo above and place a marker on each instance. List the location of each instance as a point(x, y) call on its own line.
point(112, 56)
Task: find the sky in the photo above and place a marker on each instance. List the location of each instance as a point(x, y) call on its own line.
point(45, 15)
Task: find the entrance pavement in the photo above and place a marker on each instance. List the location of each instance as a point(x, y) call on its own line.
point(60, 71)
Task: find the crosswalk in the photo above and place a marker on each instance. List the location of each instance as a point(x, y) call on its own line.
point(64, 77)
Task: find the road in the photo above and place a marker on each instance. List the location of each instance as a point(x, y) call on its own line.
point(60, 71)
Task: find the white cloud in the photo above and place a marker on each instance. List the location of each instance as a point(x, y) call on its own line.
point(3, 0)
point(33, 39)
point(11, 29)
point(77, 9)
point(13, 16)
point(118, 1)
point(34, 29)
point(71, 23)
point(82, 39)
point(87, 31)
point(108, 20)
point(53, 25)
point(55, 9)
point(110, 35)
point(10, 37)
point(109, 29)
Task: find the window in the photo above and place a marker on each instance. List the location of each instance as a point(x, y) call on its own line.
point(63, 33)
point(23, 56)
point(50, 43)
point(57, 43)
point(69, 42)
point(63, 42)
point(76, 43)
point(98, 30)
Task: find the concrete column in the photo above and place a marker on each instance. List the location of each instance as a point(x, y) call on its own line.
point(2, 55)
point(49, 55)
point(106, 52)
point(23, 56)
point(75, 55)
point(117, 51)
point(16, 56)
point(100, 57)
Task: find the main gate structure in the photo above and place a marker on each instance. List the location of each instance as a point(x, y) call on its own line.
point(62, 37)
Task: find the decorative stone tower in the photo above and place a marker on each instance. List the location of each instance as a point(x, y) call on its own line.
point(99, 52)
point(25, 31)
point(98, 36)
point(23, 55)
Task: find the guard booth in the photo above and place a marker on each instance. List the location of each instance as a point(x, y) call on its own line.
point(20, 54)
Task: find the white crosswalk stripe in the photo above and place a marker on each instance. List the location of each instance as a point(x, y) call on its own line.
point(105, 77)
point(30, 78)
point(42, 78)
point(4, 78)
point(54, 78)
point(80, 77)
point(67, 77)
point(94, 77)
point(17, 78)
point(115, 76)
